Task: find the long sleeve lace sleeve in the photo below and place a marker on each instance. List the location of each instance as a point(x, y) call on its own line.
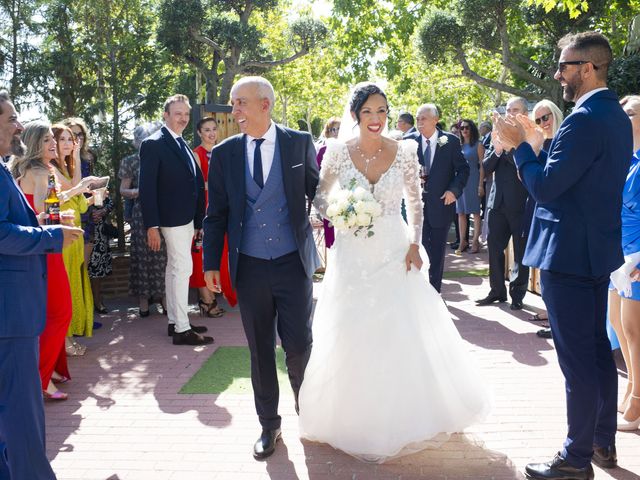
point(412, 190)
point(329, 174)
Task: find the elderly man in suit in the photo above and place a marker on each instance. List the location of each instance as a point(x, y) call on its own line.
point(575, 240)
point(506, 210)
point(23, 294)
point(172, 201)
point(259, 184)
point(445, 172)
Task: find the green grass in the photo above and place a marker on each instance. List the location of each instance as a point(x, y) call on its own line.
point(482, 272)
point(228, 370)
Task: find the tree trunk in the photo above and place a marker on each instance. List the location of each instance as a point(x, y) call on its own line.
point(15, 30)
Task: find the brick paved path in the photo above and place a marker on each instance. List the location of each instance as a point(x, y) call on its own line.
point(125, 420)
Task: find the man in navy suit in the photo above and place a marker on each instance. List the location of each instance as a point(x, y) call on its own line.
point(172, 200)
point(445, 172)
point(259, 186)
point(23, 296)
point(575, 240)
point(505, 208)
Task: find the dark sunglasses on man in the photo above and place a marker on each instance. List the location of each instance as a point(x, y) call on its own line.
point(543, 118)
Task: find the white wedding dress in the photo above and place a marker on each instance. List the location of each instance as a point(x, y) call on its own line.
point(388, 371)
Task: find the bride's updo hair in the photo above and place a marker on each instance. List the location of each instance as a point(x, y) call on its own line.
point(361, 94)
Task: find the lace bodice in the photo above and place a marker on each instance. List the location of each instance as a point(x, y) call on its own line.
point(402, 179)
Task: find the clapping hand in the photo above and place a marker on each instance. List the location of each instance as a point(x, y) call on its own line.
point(509, 131)
point(533, 133)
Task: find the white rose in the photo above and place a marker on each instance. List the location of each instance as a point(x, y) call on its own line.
point(339, 223)
point(351, 221)
point(332, 211)
point(363, 219)
point(360, 193)
point(342, 204)
point(360, 207)
point(443, 140)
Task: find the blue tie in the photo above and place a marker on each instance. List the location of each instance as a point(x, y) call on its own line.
point(258, 177)
point(185, 153)
point(427, 157)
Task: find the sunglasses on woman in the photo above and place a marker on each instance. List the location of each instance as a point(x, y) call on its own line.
point(465, 127)
point(543, 118)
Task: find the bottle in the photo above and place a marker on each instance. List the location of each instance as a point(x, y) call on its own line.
point(196, 247)
point(52, 202)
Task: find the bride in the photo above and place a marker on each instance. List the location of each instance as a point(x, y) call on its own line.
point(388, 370)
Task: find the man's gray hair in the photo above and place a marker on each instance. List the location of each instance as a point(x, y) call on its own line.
point(429, 107)
point(263, 86)
point(143, 131)
point(522, 101)
point(4, 98)
point(485, 124)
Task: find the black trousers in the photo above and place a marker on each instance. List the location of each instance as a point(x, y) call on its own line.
point(504, 225)
point(275, 295)
point(577, 309)
point(434, 241)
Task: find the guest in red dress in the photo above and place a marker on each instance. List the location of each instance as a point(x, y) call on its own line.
point(208, 131)
point(32, 173)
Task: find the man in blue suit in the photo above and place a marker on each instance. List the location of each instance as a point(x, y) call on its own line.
point(23, 301)
point(259, 186)
point(172, 201)
point(575, 240)
point(445, 172)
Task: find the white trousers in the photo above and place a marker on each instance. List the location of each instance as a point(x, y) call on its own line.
point(177, 273)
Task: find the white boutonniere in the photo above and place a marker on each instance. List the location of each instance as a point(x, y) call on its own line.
point(443, 140)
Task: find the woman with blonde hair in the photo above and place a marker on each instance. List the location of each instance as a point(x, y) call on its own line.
point(548, 118)
point(32, 173)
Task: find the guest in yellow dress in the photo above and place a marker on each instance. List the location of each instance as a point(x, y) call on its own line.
point(68, 174)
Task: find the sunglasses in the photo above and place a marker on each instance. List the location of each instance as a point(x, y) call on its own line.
point(334, 129)
point(78, 135)
point(563, 65)
point(464, 127)
point(543, 118)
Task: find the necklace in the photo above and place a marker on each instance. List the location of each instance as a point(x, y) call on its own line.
point(368, 160)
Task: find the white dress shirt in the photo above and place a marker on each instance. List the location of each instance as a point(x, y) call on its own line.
point(176, 137)
point(588, 95)
point(267, 151)
point(433, 141)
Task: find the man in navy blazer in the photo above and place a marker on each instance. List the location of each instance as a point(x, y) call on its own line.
point(445, 172)
point(575, 240)
point(172, 200)
point(259, 186)
point(23, 301)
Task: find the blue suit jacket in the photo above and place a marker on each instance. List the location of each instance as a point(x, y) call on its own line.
point(23, 265)
point(449, 171)
point(227, 192)
point(576, 227)
point(170, 195)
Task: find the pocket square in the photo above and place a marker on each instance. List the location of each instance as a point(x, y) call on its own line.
point(298, 165)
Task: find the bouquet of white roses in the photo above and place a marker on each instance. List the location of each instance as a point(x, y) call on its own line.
point(353, 208)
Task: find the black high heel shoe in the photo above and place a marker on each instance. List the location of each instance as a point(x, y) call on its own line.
point(211, 310)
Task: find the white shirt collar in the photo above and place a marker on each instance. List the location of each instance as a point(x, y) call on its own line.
point(173, 134)
point(432, 139)
point(588, 95)
point(269, 136)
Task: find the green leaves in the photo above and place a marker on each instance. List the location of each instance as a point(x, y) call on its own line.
point(438, 33)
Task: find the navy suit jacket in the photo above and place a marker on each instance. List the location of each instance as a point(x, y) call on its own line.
point(227, 197)
point(507, 192)
point(576, 226)
point(170, 195)
point(23, 265)
point(449, 171)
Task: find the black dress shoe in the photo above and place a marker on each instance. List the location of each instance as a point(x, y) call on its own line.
point(454, 245)
point(191, 338)
point(605, 457)
point(489, 299)
point(171, 329)
point(266, 444)
point(544, 333)
point(143, 313)
point(558, 469)
point(516, 305)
